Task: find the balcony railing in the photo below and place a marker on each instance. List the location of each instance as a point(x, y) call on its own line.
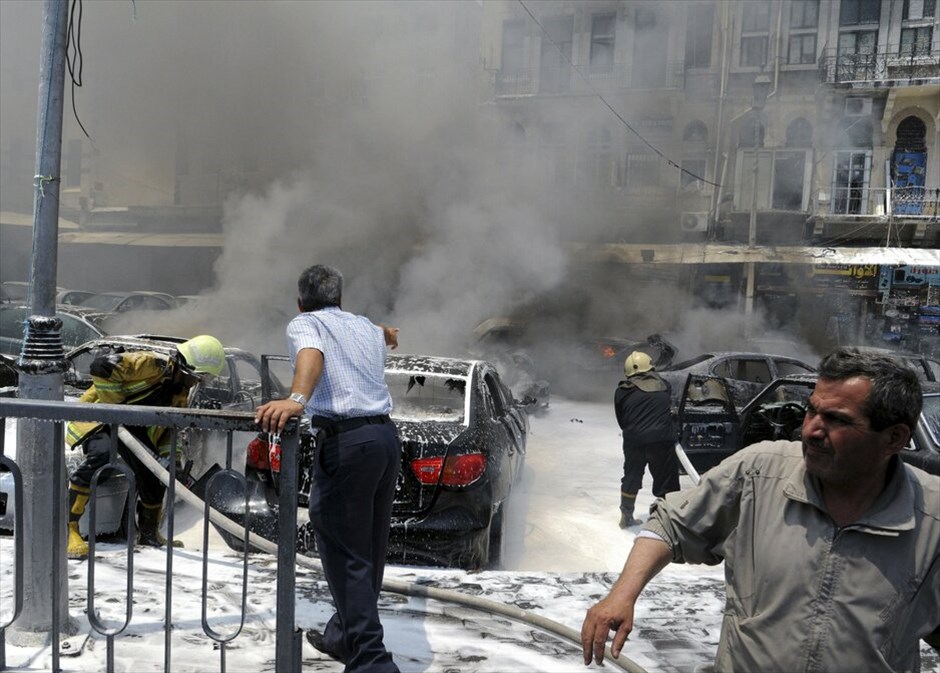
point(893, 65)
point(900, 202)
point(571, 79)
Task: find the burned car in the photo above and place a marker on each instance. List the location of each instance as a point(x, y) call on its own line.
point(711, 428)
point(745, 374)
point(237, 388)
point(463, 447)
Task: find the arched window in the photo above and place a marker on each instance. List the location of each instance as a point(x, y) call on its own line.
point(912, 133)
point(800, 133)
point(696, 131)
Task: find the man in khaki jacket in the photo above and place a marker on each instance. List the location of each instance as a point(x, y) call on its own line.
point(831, 545)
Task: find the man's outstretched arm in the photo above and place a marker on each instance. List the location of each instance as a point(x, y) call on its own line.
point(615, 612)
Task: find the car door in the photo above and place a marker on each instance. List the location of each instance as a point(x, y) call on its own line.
point(708, 424)
point(509, 422)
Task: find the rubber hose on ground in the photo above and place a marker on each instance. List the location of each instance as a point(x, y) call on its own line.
point(391, 585)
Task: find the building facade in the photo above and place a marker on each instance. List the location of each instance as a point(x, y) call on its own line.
point(809, 123)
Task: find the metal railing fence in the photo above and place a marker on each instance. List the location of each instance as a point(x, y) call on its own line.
point(288, 637)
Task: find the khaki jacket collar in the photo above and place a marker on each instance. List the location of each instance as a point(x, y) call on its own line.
point(892, 512)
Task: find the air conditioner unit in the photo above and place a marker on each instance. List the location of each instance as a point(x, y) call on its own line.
point(694, 223)
point(858, 106)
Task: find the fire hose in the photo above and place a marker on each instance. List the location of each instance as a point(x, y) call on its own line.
point(393, 586)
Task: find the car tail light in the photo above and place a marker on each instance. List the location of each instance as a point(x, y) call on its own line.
point(460, 470)
point(258, 454)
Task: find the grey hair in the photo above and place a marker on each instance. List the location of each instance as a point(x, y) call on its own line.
point(895, 395)
point(320, 286)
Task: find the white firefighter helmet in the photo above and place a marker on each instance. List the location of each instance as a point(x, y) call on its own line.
point(637, 362)
point(204, 354)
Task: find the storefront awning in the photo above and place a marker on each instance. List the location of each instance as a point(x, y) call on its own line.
point(711, 253)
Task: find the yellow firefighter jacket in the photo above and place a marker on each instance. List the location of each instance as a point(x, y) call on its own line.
point(139, 377)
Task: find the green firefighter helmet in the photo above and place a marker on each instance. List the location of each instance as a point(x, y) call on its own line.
point(637, 362)
point(204, 354)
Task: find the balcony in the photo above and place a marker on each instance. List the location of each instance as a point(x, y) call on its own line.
point(909, 214)
point(894, 67)
point(584, 79)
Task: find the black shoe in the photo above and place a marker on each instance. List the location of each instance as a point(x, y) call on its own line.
point(316, 639)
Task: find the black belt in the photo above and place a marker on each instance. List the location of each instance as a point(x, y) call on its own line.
point(332, 427)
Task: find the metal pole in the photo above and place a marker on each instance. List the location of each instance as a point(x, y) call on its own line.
point(288, 643)
point(39, 447)
point(752, 234)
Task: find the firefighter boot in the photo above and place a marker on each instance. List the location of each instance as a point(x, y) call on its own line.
point(78, 498)
point(627, 503)
point(148, 526)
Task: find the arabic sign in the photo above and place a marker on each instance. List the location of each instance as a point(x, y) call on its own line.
point(850, 276)
point(908, 276)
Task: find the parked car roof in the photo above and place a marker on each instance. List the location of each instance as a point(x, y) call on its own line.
point(131, 301)
point(79, 324)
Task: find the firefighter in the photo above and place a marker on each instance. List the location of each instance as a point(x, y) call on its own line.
point(144, 378)
point(642, 403)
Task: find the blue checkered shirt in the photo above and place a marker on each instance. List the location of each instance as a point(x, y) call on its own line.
point(353, 381)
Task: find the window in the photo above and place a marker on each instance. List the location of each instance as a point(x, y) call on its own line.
point(850, 176)
point(788, 180)
point(649, 50)
point(555, 61)
point(513, 46)
point(804, 18)
point(918, 9)
point(602, 44)
point(596, 168)
point(689, 177)
point(916, 41)
point(782, 179)
point(755, 33)
point(804, 14)
point(855, 12)
point(755, 371)
point(698, 36)
point(642, 170)
point(791, 368)
point(802, 49)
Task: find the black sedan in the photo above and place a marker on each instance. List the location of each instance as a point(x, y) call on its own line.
point(463, 447)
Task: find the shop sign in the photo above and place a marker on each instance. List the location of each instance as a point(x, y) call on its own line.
point(908, 277)
point(850, 276)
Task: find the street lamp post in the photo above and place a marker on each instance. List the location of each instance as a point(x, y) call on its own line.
point(761, 91)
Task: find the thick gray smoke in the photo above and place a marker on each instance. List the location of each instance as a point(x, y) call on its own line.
point(367, 117)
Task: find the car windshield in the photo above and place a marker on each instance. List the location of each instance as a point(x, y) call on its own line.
point(419, 396)
point(105, 302)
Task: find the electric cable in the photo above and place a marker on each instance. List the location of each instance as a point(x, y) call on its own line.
point(75, 61)
point(608, 105)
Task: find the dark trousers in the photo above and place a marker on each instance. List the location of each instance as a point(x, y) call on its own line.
point(664, 466)
point(350, 509)
point(97, 450)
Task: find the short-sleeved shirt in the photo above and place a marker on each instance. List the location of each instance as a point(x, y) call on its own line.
point(353, 380)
